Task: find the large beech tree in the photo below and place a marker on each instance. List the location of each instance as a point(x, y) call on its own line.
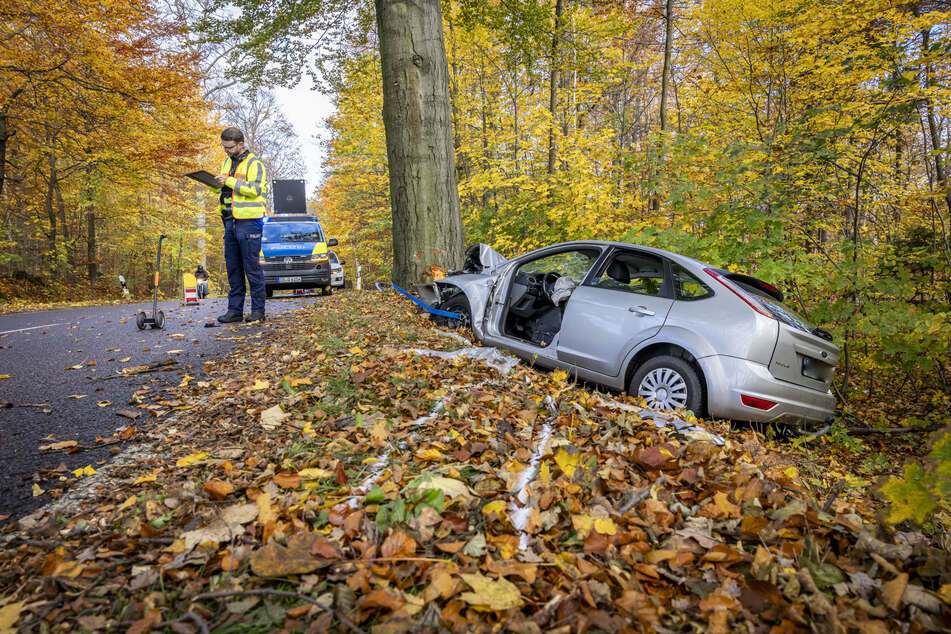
point(427, 224)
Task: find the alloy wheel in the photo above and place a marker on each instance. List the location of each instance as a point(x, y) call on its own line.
point(663, 388)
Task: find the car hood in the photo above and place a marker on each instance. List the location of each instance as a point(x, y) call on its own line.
point(278, 249)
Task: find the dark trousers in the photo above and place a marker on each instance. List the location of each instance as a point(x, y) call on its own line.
point(242, 249)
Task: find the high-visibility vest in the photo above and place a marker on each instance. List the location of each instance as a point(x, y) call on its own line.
point(248, 187)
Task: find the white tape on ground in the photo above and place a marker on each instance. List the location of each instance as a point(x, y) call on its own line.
point(7, 332)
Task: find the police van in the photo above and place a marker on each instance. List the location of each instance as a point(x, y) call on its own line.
point(294, 250)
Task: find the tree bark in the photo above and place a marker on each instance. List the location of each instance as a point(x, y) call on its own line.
point(553, 86)
point(91, 265)
point(664, 82)
point(941, 176)
point(427, 223)
point(5, 134)
point(50, 210)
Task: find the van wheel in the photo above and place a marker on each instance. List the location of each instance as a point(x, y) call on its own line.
point(667, 383)
point(325, 290)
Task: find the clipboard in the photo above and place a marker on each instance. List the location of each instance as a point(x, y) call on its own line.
point(205, 178)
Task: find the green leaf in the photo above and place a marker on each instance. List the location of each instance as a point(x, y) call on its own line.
point(909, 496)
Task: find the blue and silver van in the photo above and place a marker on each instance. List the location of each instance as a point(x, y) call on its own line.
point(294, 254)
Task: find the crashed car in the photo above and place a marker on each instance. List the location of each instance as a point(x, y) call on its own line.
point(679, 333)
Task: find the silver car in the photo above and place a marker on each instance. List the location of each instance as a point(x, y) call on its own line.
point(336, 270)
point(679, 333)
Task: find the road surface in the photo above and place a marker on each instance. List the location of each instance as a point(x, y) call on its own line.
point(56, 361)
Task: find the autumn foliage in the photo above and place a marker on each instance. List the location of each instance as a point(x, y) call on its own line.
point(806, 144)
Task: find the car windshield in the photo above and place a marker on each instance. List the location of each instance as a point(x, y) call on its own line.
point(292, 232)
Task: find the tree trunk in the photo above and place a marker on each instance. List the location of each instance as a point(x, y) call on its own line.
point(664, 82)
point(941, 176)
point(553, 86)
point(91, 265)
point(5, 134)
point(50, 209)
point(427, 224)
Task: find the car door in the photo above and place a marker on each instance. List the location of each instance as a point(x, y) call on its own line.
point(625, 302)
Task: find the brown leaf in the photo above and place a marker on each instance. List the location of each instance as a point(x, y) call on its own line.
point(145, 624)
point(893, 590)
point(340, 474)
point(656, 456)
point(398, 544)
point(380, 598)
point(287, 480)
point(274, 560)
point(219, 489)
point(322, 548)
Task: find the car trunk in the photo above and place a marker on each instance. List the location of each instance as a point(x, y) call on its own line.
point(803, 358)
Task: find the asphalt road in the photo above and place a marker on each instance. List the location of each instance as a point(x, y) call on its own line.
point(38, 350)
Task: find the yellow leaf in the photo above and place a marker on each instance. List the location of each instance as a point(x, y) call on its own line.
point(4, 376)
point(191, 459)
point(314, 472)
point(175, 351)
point(37, 491)
point(272, 417)
point(355, 350)
point(129, 501)
point(9, 614)
point(495, 506)
point(567, 462)
point(559, 376)
point(148, 478)
point(84, 471)
point(428, 455)
point(104, 403)
point(259, 385)
point(186, 380)
point(126, 360)
point(605, 526)
point(792, 473)
point(583, 525)
point(500, 594)
point(76, 396)
point(266, 512)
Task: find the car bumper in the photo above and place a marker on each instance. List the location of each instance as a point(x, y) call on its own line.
point(728, 378)
point(307, 279)
point(336, 280)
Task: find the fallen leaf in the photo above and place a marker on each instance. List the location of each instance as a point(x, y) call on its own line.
point(104, 403)
point(76, 396)
point(9, 614)
point(191, 459)
point(260, 385)
point(218, 489)
point(398, 544)
point(287, 480)
point(84, 471)
point(56, 446)
point(274, 560)
point(500, 594)
point(37, 491)
point(272, 417)
point(4, 376)
point(893, 591)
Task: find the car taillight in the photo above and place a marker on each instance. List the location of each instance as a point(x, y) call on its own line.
point(762, 310)
point(758, 403)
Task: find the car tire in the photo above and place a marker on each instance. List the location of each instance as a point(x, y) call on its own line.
point(268, 292)
point(668, 383)
point(325, 290)
point(458, 303)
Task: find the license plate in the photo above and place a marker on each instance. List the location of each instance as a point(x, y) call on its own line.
point(288, 280)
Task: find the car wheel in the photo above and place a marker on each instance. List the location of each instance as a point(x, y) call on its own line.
point(325, 290)
point(668, 383)
point(268, 292)
point(459, 304)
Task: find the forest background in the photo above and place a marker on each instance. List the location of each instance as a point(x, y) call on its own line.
point(805, 142)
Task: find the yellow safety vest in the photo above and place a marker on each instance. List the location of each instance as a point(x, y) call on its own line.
point(248, 186)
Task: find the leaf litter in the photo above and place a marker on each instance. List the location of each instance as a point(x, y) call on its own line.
point(329, 475)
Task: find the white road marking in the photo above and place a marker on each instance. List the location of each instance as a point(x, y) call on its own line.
point(7, 332)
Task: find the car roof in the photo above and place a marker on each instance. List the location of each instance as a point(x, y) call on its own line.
point(681, 259)
point(292, 218)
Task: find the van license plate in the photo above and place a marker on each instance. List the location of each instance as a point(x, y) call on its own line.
point(287, 280)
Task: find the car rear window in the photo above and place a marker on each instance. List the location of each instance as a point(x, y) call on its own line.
point(292, 232)
point(782, 311)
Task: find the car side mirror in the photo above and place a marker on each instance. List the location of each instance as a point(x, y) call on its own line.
point(342, 262)
point(332, 242)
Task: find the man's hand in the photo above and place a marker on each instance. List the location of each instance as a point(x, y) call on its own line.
point(221, 178)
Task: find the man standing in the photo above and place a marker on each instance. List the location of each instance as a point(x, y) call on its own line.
point(243, 182)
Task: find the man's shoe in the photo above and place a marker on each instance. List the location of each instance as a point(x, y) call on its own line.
point(255, 315)
point(230, 317)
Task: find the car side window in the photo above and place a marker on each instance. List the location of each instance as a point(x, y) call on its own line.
point(574, 264)
point(639, 273)
point(688, 287)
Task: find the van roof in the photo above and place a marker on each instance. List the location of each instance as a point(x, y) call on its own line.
point(291, 218)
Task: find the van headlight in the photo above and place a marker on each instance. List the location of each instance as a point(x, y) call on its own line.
point(320, 257)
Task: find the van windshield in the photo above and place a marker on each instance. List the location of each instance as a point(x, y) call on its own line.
point(292, 232)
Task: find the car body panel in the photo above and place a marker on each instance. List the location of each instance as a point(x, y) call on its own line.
point(601, 326)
